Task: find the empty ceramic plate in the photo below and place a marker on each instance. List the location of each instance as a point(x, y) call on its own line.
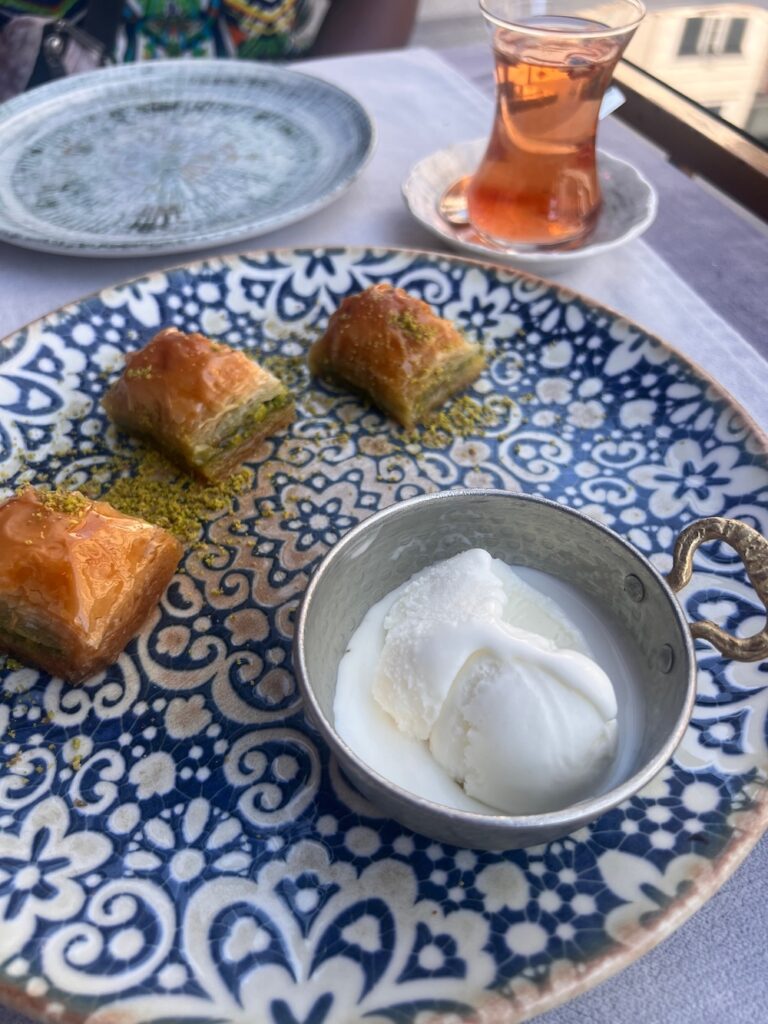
point(173, 156)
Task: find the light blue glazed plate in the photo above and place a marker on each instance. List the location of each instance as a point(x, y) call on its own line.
point(172, 156)
point(175, 844)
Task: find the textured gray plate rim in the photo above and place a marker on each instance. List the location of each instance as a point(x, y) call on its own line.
point(54, 93)
point(467, 155)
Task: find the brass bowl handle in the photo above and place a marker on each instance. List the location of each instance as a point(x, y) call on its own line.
point(752, 548)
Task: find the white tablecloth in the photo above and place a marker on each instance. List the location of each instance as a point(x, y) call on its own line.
point(715, 970)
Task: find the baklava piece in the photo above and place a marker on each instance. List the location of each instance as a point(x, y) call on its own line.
point(78, 579)
point(204, 404)
point(396, 351)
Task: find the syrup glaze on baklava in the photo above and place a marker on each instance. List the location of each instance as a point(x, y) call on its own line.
point(395, 350)
point(77, 579)
point(204, 404)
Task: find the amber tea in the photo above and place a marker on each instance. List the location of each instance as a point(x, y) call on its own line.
point(537, 184)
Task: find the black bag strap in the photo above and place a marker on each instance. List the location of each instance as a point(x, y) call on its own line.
point(101, 21)
point(95, 31)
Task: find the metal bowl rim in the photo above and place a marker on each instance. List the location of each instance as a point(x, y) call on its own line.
point(575, 814)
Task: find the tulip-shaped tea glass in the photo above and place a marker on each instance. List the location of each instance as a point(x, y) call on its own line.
point(537, 184)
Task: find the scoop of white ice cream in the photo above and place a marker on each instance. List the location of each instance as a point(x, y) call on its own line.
point(417, 667)
point(499, 682)
point(526, 727)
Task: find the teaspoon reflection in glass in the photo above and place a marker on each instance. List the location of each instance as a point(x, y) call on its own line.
point(452, 204)
point(452, 207)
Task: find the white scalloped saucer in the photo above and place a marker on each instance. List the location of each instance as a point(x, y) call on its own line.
point(629, 208)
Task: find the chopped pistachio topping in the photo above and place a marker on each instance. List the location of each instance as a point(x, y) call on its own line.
point(289, 370)
point(414, 328)
point(251, 421)
point(463, 417)
point(68, 503)
point(156, 490)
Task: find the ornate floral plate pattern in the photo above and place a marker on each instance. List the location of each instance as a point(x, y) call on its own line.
point(173, 156)
point(175, 843)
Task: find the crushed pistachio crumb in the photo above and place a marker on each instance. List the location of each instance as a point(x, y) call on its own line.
point(289, 370)
point(464, 417)
point(68, 503)
point(139, 372)
point(412, 326)
point(153, 488)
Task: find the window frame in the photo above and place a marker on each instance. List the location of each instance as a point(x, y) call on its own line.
point(696, 141)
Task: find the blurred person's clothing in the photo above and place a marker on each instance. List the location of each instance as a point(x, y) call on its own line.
point(254, 29)
point(42, 40)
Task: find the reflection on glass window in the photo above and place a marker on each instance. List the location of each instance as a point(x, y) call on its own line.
point(714, 53)
point(711, 35)
point(691, 34)
point(735, 35)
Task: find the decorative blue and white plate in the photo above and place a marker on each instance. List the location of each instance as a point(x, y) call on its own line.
point(172, 156)
point(176, 845)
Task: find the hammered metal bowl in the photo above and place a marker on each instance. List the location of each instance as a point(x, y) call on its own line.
point(632, 598)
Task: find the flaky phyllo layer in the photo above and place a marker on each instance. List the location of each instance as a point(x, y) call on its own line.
point(77, 579)
point(392, 348)
point(204, 404)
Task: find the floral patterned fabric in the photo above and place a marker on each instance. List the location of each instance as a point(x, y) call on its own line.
point(260, 29)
